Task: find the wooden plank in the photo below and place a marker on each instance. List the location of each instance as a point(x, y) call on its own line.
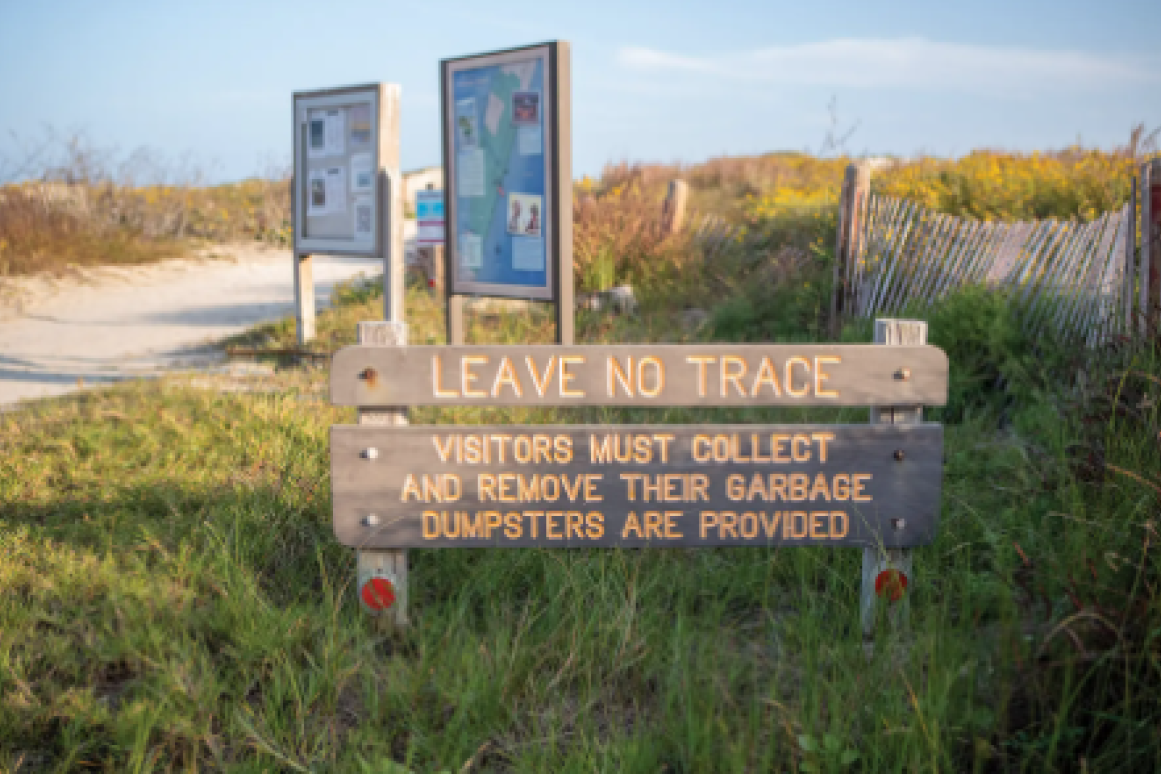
point(852, 211)
point(1129, 273)
point(1086, 279)
point(1050, 296)
point(987, 257)
point(920, 262)
point(1039, 289)
point(1037, 250)
point(972, 252)
point(866, 247)
point(1070, 292)
point(1040, 255)
point(879, 210)
point(1006, 256)
point(390, 565)
point(1106, 319)
point(887, 231)
point(391, 203)
point(955, 269)
point(673, 208)
point(885, 557)
point(636, 485)
point(1087, 318)
point(905, 265)
point(937, 261)
point(910, 220)
point(639, 375)
point(1057, 282)
point(902, 229)
point(925, 255)
point(1030, 261)
point(981, 256)
point(957, 249)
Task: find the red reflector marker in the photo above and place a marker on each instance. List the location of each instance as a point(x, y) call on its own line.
point(431, 283)
point(890, 584)
point(378, 594)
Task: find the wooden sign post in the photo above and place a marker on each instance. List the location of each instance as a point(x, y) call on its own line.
point(875, 486)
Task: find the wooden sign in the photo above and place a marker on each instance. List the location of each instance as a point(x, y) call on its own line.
point(640, 375)
point(639, 485)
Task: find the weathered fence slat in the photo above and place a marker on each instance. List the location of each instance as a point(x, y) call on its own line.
point(905, 270)
point(1038, 294)
point(1073, 279)
point(1039, 264)
point(902, 229)
point(1070, 293)
point(871, 268)
point(935, 261)
point(1085, 291)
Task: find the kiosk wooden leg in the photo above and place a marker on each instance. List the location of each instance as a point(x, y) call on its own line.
point(455, 319)
point(304, 296)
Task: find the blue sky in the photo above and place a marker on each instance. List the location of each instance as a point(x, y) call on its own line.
point(652, 81)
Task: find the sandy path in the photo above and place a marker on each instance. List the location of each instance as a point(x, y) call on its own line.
point(111, 323)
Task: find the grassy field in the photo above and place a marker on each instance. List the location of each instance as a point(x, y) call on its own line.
point(173, 598)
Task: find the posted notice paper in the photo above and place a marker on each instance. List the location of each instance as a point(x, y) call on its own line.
point(470, 172)
point(364, 215)
point(336, 131)
point(471, 249)
point(316, 194)
point(336, 185)
point(362, 176)
point(527, 254)
point(316, 134)
point(530, 140)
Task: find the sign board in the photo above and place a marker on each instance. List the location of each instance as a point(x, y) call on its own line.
point(640, 485)
point(429, 217)
point(640, 375)
point(507, 160)
point(337, 165)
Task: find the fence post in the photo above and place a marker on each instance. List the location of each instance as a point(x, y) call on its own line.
point(882, 567)
point(848, 248)
point(388, 565)
point(673, 210)
point(1151, 246)
point(1130, 253)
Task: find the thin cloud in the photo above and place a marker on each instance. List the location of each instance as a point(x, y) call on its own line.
point(904, 62)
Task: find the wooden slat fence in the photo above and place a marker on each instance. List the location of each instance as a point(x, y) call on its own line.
point(713, 233)
point(1069, 277)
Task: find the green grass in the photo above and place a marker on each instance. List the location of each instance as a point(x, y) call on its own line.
point(174, 599)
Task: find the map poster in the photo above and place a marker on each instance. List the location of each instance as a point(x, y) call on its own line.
point(498, 113)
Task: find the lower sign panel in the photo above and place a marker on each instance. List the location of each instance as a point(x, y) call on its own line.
point(633, 486)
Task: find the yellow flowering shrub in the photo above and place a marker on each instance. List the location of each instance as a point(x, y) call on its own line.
point(989, 185)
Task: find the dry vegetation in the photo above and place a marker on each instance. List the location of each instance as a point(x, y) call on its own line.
point(80, 208)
